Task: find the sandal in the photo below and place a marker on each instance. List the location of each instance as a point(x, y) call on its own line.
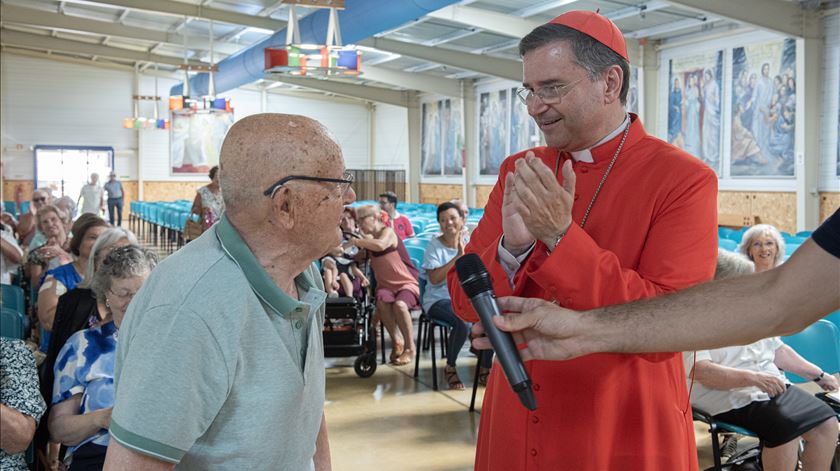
point(483, 374)
point(404, 359)
point(451, 375)
point(396, 351)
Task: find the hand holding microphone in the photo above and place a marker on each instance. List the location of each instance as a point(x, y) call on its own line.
point(478, 287)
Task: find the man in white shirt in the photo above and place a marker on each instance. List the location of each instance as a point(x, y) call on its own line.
point(92, 196)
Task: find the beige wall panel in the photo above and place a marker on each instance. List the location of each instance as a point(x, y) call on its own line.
point(482, 195)
point(10, 187)
point(734, 202)
point(829, 202)
point(776, 209)
point(170, 191)
point(436, 194)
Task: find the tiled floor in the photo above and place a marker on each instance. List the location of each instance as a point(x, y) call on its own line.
point(394, 422)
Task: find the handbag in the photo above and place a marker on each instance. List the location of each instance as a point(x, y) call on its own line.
point(192, 228)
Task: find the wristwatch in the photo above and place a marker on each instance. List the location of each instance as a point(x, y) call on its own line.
point(819, 378)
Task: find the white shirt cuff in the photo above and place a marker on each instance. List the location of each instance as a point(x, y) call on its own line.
point(510, 263)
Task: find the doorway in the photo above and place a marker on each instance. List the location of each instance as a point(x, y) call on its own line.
point(65, 169)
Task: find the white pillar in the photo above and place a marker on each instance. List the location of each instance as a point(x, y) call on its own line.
point(139, 137)
point(809, 93)
point(649, 61)
point(470, 140)
point(371, 107)
point(415, 121)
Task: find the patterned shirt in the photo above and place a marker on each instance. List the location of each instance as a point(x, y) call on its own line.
point(18, 390)
point(85, 365)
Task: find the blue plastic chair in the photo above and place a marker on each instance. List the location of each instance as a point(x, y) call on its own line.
point(834, 318)
point(819, 343)
point(10, 207)
point(11, 323)
point(804, 234)
point(416, 242)
point(728, 244)
point(12, 298)
point(416, 255)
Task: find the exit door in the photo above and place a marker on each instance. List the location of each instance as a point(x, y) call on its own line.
point(66, 169)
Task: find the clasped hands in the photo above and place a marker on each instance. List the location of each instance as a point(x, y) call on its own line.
point(535, 206)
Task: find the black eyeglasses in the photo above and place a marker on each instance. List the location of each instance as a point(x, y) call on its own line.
point(39, 200)
point(343, 183)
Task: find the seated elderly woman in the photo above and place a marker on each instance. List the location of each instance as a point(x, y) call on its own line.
point(76, 310)
point(744, 386)
point(398, 289)
point(30, 233)
point(58, 281)
point(53, 253)
point(21, 406)
point(83, 393)
point(440, 256)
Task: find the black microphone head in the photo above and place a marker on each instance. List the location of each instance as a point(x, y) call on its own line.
point(473, 275)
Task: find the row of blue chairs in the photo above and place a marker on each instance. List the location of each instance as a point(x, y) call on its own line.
point(13, 322)
point(11, 207)
point(738, 234)
point(163, 220)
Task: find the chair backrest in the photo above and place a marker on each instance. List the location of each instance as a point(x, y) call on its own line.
point(819, 343)
point(12, 297)
point(728, 244)
point(416, 255)
point(834, 318)
point(415, 242)
point(11, 323)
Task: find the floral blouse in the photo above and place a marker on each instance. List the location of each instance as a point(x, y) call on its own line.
point(18, 390)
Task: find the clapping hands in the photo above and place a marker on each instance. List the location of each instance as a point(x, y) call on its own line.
point(535, 205)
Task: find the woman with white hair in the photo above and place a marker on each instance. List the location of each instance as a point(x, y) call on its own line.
point(764, 246)
point(744, 385)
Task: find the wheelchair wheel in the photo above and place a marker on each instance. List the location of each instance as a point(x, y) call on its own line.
point(365, 365)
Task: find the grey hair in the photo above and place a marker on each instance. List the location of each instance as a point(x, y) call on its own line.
point(71, 205)
point(590, 54)
point(757, 231)
point(106, 239)
point(121, 263)
point(731, 264)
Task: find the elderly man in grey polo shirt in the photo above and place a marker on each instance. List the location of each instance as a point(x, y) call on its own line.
point(220, 360)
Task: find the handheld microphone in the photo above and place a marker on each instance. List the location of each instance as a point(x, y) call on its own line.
point(478, 287)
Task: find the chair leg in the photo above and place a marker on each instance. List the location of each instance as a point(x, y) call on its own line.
point(417, 356)
point(434, 364)
point(382, 340)
point(715, 447)
point(475, 379)
point(444, 341)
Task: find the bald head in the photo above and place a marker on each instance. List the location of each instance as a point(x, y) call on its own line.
point(263, 148)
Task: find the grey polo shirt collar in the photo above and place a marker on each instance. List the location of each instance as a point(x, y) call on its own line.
point(262, 284)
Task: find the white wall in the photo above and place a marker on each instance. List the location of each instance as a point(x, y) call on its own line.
point(829, 180)
point(56, 103)
point(391, 140)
